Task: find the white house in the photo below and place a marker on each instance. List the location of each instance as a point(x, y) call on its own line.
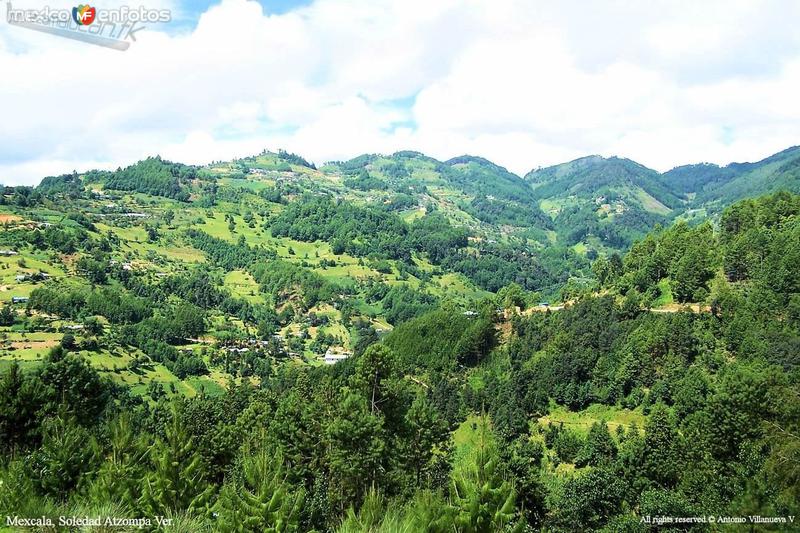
point(334, 355)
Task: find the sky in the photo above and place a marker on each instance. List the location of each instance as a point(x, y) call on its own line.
point(523, 83)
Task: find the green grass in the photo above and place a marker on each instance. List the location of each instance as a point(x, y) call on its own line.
point(581, 421)
point(651, 204)
point(249, 184)
point(665, 298)
point(580, 248)
point(206, 385)
point(10, 268)
point(451, 284)
point(242, 284)
point(553, 206)
point(467, 439)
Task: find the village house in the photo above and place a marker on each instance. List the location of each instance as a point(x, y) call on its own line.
point(334, 354)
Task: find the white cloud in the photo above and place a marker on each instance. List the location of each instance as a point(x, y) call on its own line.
point(521, 83)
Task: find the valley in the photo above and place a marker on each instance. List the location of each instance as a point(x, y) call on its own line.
point(437, 326)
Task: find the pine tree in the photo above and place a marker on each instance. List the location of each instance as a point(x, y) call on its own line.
point(7, 316)
point(19, 401)
point(483, 500)
point(427, 432)
point(357, 447)
point(599, 447)
point(373, 370)
point(428, 512)
point(178, 481)
point(295, 433)
point(589, 500)
point(118, 477)
point(263, 501)
point(661, 448)
point(67, 453)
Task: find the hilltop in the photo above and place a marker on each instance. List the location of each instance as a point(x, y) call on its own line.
point(271, 254)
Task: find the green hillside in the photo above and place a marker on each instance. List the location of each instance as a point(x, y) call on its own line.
point(602, 202)
point(591, 176)
point(748, 180)
point(168, 362)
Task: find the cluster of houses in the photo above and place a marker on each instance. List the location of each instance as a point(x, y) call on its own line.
point(603, 203)
point(27, 225)
point(8, 253)
point(333, 355)
point(244, 346)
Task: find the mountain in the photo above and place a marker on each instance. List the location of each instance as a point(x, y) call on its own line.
point(614, 178)
point(592, 205)
point(610, 202)
point(714, 187)
point(468, 189)
point(604, 202)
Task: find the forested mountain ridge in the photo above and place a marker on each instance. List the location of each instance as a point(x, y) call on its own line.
point(611, 202)
point(716, 187)
point(592, 176)
point(603, 202)
point(157, 370)
point(593, 204)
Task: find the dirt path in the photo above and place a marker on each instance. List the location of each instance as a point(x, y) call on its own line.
point(675, 308)
point(5, 217)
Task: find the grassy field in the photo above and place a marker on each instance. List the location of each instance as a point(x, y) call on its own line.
point(242, 284)
point(467, 437)
point(651, 204)
point(581, 421)
point(24, 264)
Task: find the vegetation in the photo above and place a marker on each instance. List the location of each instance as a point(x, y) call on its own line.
point(162, 348)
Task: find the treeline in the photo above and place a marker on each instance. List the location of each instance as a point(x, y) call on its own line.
point(229, 256)
point(399, 302)
point(359, 231)
point(154, 176)
point(494, 267)
point(65, 184)
point(285, 281)
point(503, 212)
point(80, 302)
point(575, 224)
point(756, 248)
point(138, 322)
point(365, 231)
point(20, 196)
point(686, 256)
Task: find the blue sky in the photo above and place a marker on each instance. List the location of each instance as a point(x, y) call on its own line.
point(524, 83)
